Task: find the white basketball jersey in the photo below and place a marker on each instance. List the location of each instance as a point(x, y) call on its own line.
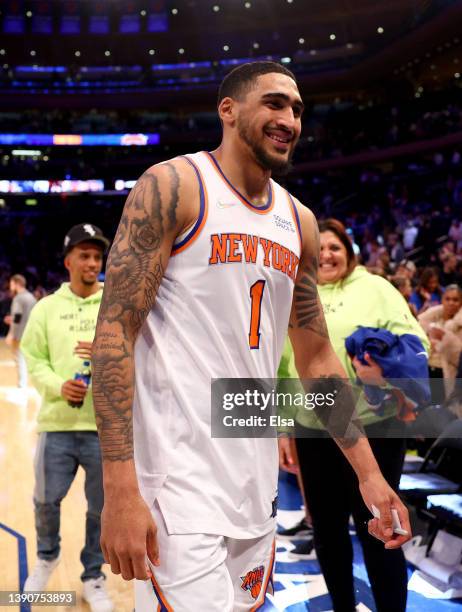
point(222, 311)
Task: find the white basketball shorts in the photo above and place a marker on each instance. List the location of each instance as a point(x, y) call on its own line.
point(207, 572)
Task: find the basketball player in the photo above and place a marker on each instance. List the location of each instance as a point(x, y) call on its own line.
point(199, 285)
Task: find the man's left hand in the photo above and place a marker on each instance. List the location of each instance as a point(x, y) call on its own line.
point(376, 491)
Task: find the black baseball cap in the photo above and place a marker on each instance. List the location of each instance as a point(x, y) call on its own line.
point(85, 232)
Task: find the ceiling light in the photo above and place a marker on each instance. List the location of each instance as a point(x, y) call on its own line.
point(2, 51)
point(26, 152)
point(380, 30)
point(33, 53)
point(151, 52)
point(225, 48)
point(143, 13)
point(332, 37)
point(107, 53)
point(457, 75)
point(290, 1)
point(77, 54)
point(216, 8)
point(256, 45)
point(285, 60)
point(181, 51)
point(301, 41)
point(247, 5)
point(29, 14)
point(174, 11)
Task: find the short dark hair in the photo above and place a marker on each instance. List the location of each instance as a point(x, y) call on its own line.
point(19, 279)
point(239, 81)
point(336, 227)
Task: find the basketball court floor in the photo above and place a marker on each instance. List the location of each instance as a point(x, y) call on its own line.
point(299, 585)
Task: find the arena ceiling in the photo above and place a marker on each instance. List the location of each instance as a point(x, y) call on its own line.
point(332, 45)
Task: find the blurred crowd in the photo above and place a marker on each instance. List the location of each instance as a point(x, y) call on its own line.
point(403, 215)
point(343, 127)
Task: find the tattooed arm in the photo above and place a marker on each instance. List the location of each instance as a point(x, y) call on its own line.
point(161, 205)
point(316, 359)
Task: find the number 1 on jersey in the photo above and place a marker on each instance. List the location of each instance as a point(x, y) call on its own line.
point(256, 296)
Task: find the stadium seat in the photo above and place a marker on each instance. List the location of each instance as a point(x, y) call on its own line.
point(439, 473)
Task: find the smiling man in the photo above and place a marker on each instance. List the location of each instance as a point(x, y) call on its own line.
point(56, 342)
point(199, 285)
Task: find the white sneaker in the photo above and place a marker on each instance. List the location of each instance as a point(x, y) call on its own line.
point(95, 594)
point(38, 579)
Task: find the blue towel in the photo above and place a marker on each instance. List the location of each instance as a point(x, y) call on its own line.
point(403, 360)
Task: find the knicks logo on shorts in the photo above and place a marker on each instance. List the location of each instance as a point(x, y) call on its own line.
point(253, 581)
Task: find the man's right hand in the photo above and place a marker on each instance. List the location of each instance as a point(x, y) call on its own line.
point(74, 390)
point(128, 534)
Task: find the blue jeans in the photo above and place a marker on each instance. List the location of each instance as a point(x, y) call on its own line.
point(58, 456)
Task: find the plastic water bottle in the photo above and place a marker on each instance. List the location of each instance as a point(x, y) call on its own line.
point(85, 376)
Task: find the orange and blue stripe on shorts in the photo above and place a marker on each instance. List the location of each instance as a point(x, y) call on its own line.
point(268, 580)
point(163, 605)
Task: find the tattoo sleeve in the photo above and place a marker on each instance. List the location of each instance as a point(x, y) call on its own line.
point(308, 331)
point(134, 271)
point(307, 311)
point(340, 418)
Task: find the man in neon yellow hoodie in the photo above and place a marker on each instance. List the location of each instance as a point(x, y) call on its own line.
point(56, 343)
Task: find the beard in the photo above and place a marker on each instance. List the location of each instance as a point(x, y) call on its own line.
point(87, 281)
point(277, 166)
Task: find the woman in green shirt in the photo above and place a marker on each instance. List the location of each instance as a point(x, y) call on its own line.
point(350, 297)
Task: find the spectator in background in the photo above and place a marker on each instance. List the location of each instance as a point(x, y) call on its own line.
point(455, 233)
point(406, 268)
point(395, 248)
point(409, 235)
point(448, 274)
point(40, 292)
point(21, 306)
point(374, 251)
point(427, 292)
point(443, 325)
point(425, 241)
point(403, 284)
